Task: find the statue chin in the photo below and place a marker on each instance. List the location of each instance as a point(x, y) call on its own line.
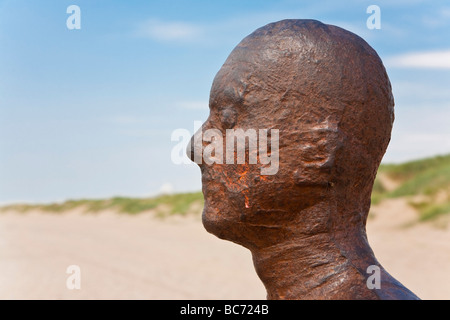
point(214, 222)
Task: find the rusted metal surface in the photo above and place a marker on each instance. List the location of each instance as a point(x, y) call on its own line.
point(327, 92)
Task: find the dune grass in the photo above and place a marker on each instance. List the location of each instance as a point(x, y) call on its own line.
point(378, 192)
point(427, 177)
point(163, 205)
point(431, 211)
point(410, 169)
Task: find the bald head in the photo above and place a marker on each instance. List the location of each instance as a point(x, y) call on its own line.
point(326, 90)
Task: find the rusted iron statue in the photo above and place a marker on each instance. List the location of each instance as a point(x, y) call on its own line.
point(326, 92)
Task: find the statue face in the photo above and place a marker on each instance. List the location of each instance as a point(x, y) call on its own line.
point(239, 199)
point(310, 82)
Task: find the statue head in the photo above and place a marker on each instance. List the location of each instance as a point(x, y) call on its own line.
point(325, 93)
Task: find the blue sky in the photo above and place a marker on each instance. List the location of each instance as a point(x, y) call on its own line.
point(89, 113)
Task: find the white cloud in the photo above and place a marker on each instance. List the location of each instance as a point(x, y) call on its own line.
point(409, 145)
point(169, 30)
point(439, 18)
point(419, 132)
point(426, 60)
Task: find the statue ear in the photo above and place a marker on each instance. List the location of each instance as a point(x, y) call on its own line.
point(316, 173)
point(317, 156)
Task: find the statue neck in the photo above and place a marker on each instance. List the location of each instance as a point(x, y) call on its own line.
point(329, 261)
point(312, 268)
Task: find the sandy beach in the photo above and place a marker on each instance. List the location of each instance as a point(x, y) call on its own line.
point(143, 257)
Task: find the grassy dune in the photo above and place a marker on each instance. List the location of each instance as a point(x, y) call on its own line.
point(424, 183)
point(162, 205)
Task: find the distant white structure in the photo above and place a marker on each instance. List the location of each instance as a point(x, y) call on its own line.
point(166, 188)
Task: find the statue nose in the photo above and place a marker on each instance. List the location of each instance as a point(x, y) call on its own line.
point(190, 152)
point(194, 149)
